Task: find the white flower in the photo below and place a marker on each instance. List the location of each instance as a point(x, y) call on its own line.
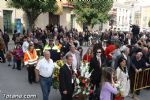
point(75, 70)
point(118, 85)
point(77, 80)
point(78, 91)
point(84, 92)
point(56, 66)
point(82, 64)
point(83, 70)
point(87, 75)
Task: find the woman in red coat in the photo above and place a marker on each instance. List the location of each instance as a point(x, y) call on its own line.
point(87, 57)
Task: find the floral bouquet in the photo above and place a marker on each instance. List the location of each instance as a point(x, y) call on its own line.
point(58, 64)
point(119, 88)
point(83, 86)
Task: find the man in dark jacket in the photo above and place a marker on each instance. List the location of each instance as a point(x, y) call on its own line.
point(38, 48)
point(6, 39)
point(65, 46)
point(135, 31)
point(138, 64)
point(66, 79)
point(53, 49)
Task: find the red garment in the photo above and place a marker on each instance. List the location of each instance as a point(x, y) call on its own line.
point(87, 57)
point(18, 54)
point(109, 49)
point(119, 98)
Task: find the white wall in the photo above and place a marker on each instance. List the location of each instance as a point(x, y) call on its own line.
point(65, 18)
point(42, 21)
point(77, 25)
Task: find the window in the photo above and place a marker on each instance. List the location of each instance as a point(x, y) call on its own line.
point(7, 20)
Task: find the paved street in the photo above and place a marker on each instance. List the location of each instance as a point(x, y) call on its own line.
point(15, 82)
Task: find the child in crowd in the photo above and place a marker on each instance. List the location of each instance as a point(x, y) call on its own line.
point(107, 85)
point(18, 54)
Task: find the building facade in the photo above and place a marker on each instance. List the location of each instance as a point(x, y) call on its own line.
point(124, 13)
point(142, 15)
point(8, 17)
point(11, 18)
point(120, 15)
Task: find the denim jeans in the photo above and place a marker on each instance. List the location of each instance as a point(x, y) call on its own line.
point(45, 86)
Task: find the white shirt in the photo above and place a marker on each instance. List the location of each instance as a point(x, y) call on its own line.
point(68, 66)
point(45, 68)
point(74, 63)
point(25, 46)
point(129, 41)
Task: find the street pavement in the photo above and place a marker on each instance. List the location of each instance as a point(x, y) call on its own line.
point(15, 82)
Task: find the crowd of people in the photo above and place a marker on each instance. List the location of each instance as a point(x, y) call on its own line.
point(113, 56)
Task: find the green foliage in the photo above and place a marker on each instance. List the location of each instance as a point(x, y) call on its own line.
point(149, 23)
point(93, 11)
point(33, 8)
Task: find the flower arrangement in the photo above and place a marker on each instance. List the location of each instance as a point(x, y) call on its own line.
point(83, 86)
point(58, 64)
point(119, 88)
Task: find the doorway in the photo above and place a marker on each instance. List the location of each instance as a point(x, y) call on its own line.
point(7, 20)
point(54, 19)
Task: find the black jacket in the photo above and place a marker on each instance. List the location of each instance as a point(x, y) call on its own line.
point(65, 78)
point(138, 64)
point(65, 48)
point(6, 38)
point(39, 49)
point(96, 70)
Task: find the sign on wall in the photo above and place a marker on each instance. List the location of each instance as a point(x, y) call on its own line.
point(18, 25)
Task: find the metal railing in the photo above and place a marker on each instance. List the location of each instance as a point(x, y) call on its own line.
point(142, 79)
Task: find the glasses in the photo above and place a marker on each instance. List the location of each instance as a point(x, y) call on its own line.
point(99, 52)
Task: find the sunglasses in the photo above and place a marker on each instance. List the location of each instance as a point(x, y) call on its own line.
point(99, 52)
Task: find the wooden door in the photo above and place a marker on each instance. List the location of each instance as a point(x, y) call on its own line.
point(54, 19)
